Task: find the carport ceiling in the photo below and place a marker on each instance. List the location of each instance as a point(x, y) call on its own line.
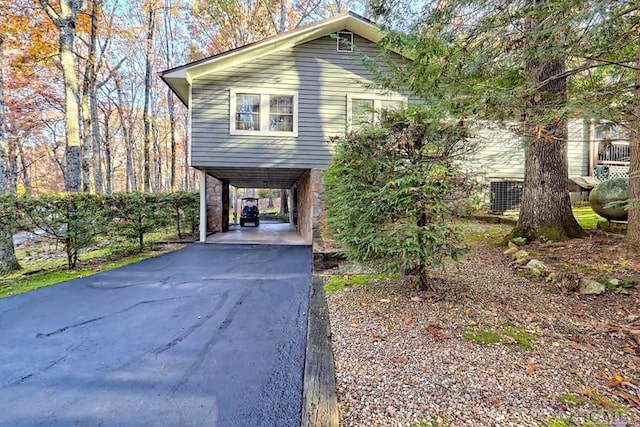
point(258, 177)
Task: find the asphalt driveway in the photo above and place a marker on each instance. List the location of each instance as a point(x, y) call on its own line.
point(211, 335)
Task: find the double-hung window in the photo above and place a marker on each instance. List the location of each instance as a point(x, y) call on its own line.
point(363, 109)
point(268, 112)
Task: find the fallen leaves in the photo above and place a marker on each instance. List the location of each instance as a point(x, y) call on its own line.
point(623, 387)
point(531, 367)
point(436, 331)
point(399, 359)
point(631, 331)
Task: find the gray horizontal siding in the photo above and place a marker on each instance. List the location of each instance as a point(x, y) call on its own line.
point(322, 77)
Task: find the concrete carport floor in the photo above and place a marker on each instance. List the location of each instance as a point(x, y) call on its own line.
point(266, 233)
point(210, 335)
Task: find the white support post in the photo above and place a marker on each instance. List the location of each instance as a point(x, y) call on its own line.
point(203, 206)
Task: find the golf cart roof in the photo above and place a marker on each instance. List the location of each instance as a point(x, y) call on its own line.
point(249, 198)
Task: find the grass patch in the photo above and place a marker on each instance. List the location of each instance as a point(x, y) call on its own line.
point(492, 235)
point(433, 422)
point(481, 336)
point(523, 338)
point(569, 400)
point(586, 217)
point(507, 334)
point(20, 282)
point(337, 283)
point(45, 264)
point(563, 422)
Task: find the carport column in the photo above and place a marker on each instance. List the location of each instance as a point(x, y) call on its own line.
point(203, 206)
point(225, 206)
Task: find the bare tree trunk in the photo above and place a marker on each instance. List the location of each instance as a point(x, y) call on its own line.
point(284, 202)
point(130, 181)
point(92, 153)
point(283, 16)
point(93, 106)
point(66, 22)
point(157, 154)
point(633, 226)
point(87, 137)
point(107, 155)
point(26, 181)
point(147, 100)
point(12, 148)
point(8, 260)
point(170, 100)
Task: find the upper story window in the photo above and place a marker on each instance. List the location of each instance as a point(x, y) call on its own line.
point(363, 109)
point(345, 41)
point(263, 112)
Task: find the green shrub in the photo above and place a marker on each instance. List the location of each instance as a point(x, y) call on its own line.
point(183, 209)
point(73, 219)
point(392, 189)
point(136, 214)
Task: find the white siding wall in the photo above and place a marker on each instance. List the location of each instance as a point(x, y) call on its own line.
point(500, 153)
point(578, 148)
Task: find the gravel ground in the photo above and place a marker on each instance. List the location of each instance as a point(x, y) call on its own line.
point(402, 358)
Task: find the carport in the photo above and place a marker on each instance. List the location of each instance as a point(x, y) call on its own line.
point(215, 204)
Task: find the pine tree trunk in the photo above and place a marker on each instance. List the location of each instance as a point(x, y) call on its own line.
point(8, 260)
point(546, 205)
point(147, 102)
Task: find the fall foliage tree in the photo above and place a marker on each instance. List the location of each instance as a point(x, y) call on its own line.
point(8, 260)
point(65, 20)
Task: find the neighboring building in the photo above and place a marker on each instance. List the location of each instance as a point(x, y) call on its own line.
point(263, 116)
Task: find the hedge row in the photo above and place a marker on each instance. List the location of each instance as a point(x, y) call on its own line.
point(76, 219)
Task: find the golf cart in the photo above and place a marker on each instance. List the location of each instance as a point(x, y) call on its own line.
point(249, 211)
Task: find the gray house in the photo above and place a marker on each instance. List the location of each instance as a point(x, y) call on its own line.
point(263, 116)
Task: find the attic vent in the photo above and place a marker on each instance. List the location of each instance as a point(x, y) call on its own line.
point(345, 41)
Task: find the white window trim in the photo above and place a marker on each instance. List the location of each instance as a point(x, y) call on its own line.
point(350, 36)
point(377, 104)
point(264, 112)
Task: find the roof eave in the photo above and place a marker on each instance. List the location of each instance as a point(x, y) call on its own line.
point(179, 79)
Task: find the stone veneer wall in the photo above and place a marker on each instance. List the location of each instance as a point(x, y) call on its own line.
point(311, 207)
point(214, 204)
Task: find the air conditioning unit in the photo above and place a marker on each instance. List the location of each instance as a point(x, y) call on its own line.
point(505, 196)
